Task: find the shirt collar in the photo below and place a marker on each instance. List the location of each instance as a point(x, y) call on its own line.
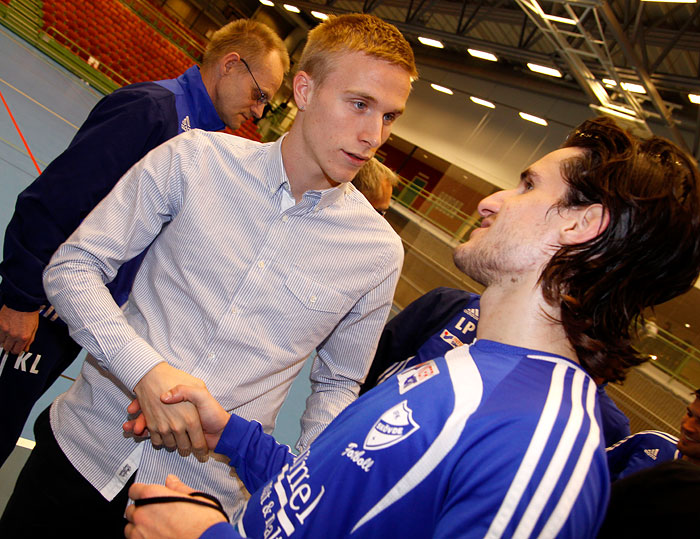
point(278, 178)
point(200, 104)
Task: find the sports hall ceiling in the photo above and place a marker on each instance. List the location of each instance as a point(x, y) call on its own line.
point(655, 45)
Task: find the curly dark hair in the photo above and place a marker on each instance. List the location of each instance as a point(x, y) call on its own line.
point(648, 253)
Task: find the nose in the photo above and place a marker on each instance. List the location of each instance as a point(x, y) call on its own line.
point(257, 109)
point(492, 203)
point(372, 132)
point(689, 424)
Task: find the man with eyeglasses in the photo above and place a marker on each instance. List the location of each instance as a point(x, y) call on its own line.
point(257, 256)
point(35, 346)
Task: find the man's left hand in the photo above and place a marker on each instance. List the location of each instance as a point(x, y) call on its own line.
point(167, 520)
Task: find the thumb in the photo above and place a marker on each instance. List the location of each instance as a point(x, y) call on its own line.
point(181, 393)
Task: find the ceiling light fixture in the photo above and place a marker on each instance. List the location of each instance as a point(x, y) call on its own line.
point(694, 98)
point(431, 42)
point(621, 108)
point(267, 3)
point(293, 9)
point(617, 111)
point(483, 55)
point(673, 1)
point(635, 88)
point(629, 86)
point(555, 18)
point(544, 70)
point(319, 15)
point(533, 119)
point(442, 89)
point(482, 102)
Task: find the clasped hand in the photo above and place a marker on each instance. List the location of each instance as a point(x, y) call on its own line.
point(211, 418)
point(174, 426)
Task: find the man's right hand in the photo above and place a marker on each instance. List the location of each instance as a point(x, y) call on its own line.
point(175, 426)
point(212, 415)
point(17, 329)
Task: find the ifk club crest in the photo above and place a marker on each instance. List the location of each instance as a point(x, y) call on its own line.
point(395, 425)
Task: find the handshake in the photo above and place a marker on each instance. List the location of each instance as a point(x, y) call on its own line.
point(177, 411)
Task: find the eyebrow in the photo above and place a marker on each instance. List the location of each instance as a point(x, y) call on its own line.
point(529, 174)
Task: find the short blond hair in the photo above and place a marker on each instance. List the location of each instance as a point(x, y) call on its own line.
point(355, 32)
point(371, 176)
point(251, 39)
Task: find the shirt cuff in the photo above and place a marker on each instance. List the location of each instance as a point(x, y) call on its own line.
point(134, 361)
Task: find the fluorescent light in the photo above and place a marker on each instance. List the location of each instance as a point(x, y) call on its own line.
point(431, 42)
point(533, 119)
point(441, 89)
point(483, 55)
point(319, 15)
point(618, 111)
point(554, 18)
point(694, 98)
point(636, 88)
point(293, 9)
point(267, 3)
point(544, 70)
point(673, 1)
point(629, 86)
point(620, 108)
point(482, 102)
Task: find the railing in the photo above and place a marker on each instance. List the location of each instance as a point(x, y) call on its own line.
point(423, 202)
point(90, 59)
point(677, 358)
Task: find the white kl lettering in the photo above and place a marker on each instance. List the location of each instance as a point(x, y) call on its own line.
point(21, 362)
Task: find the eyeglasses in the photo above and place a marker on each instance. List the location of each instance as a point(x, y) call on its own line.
point(262, 98)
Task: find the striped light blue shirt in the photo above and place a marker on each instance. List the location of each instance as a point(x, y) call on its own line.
point(237, 288)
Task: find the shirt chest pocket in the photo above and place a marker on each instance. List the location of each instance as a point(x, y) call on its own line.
point(317, 296)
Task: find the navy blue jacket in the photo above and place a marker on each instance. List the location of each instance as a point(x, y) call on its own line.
point(122, 128)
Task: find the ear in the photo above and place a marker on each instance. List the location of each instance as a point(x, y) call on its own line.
point(302, 84)
point(228, 62)
point(583, 224)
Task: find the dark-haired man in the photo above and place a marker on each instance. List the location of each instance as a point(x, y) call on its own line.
point(500, 438)
point(35, 346)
